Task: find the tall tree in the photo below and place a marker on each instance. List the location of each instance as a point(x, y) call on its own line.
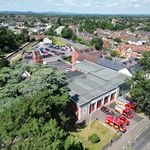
point(67, 33)
point(97, 42)
point(140, 92)
point(8, 41)
point(145, 61)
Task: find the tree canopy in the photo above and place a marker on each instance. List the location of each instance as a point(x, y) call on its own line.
point(67, 33)
point(23, 37)
point(50, 31)
point(3, 62)
point(97, 42)
point(118, 40)
point(145, 61)
point(140, 92)
point(33, 114)
point(8, 41)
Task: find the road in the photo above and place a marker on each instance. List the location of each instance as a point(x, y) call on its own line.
point(142, 141)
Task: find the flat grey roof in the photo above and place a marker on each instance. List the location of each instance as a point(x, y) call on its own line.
point(60, 65)
point(98, 81)
point(87, 66)
point(72, 74)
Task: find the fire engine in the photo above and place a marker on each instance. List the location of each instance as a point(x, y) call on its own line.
point(116, 123)
point(127, 104)
point(124, 111)
point(124, 120)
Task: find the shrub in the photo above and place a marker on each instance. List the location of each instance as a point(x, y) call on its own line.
point(94, 138)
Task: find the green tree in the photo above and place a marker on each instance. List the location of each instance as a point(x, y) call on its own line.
point(72, 144)
point(34, 115)
point(115, 53)
point(24, 35)
point(34, 33)
point(50, 31)
point(67, 33)
point(8, 41)
point(140, 84)
point(145, 61)
point(140, 92)
point(118, 40)
point(3, 62)
point(97, 42)
point(59, 22)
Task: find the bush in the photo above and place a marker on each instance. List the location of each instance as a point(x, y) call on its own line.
point(94, 138)
point(115, 53)
point(109, 58)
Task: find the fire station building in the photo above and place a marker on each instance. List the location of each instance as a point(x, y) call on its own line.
point(97, 86)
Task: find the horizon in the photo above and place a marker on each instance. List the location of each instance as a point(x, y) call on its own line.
point(67, 13)
point(99, 7)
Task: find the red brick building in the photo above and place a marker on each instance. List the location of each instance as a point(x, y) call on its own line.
point(131, 50)
point(88, 54)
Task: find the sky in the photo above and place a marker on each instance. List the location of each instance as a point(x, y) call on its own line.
point(78, 6)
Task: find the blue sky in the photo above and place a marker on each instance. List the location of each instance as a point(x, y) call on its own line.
point(79, 6)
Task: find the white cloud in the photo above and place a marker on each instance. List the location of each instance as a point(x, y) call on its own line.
point(146, 1)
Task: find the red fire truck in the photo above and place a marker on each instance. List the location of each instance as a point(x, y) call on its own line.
point(116, 123)
point(127, 104)
point(124, 120)
point(124, 111)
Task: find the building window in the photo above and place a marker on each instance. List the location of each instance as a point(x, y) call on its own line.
point(106, 100)
point(99, 104)
point(92, 107)
point(113, 96)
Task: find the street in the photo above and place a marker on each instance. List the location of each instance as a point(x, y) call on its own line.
point(142, 142)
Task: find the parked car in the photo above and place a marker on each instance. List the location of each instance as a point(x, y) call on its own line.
point(107, 111)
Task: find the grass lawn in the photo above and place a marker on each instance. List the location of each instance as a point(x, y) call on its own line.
point(103, 132)
point(59, 42)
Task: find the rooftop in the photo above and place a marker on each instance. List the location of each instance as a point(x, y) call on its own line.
point(60, 65)
point(110, 64)
point(97, 81)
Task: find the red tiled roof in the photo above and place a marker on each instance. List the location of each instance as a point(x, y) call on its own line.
point(134, 48)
